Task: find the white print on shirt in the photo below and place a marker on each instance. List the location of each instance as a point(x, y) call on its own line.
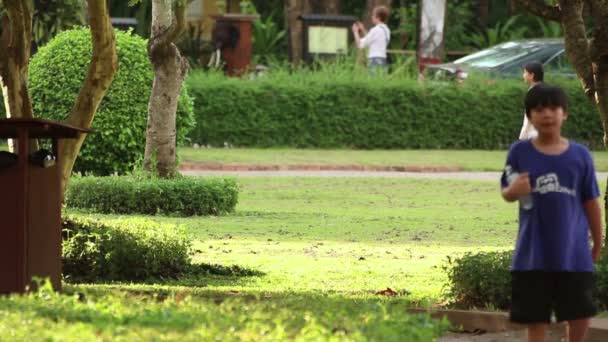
point(550, 183)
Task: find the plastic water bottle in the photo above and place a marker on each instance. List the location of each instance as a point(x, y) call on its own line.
point(524, 201)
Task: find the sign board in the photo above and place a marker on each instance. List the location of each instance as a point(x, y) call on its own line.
point(325, 39)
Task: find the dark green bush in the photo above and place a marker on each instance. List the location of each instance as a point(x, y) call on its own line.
point(484, 279)
point(323, 111)
point(183, 196)
point(601, 273)
point(56, 75)
point(480, 279)
point(123, 250)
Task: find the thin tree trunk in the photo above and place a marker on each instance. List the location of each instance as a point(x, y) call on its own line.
point(483, 13)
point(15, 56)
point(170, 70)
point(599, 55)
point(103, 67)
point(293, 10)
point(330, 6)
point(577, 45)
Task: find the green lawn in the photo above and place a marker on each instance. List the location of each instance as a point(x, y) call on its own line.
point(352, 236)
point(324, 245)
point(466, 160)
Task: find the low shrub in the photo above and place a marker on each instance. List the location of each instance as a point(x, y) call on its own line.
point(480, 279)
point(181, 196)
point(484, 280)
point(601, 281)
point(123, 250)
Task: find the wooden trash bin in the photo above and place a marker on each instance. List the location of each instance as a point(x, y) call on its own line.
point(30, 204)
point(235, 35)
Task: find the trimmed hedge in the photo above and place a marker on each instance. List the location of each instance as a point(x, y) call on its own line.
point(56, 74)
point(484, 280)
point(370, 113)
point(182, 196)
point(123, 250)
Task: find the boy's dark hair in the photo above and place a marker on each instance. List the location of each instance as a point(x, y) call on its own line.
point(544, 95)
point(537, 69)
point(382, 13)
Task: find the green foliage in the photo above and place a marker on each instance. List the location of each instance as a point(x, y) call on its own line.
point(601, 280)
point(194, 46)
point(337, 107)
point(183, 196)
point(268, 39)
point(51, 17)
point(56, 75)
point(123, 251)
point(459, 21)
point(54, 16)
point(501, 32)
point(156, 314)
point(480, 279)
point(550, 29)
point(484, 280)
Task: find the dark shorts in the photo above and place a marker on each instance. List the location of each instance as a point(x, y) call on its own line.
point(536, 295)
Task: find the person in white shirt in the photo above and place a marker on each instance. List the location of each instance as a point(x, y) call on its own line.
point(376, 40)
point(533, 75)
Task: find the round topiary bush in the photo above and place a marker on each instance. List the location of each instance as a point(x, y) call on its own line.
point(56, 74)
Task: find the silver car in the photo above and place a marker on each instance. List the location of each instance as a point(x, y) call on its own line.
point(506, 60)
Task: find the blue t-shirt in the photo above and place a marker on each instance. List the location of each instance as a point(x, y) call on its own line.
point(554, 233)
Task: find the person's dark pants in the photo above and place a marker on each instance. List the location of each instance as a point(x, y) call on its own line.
point(537, 294)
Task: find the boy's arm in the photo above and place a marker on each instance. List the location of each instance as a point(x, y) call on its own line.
point(594, 216)
point(520, 187)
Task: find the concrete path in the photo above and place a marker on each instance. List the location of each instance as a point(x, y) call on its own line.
point(483, 176)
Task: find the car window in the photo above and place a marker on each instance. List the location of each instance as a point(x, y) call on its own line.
point(500, 54)
point(559, 65)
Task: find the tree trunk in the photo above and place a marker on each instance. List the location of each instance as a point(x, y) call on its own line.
point(369, 10)
point(577, 46)
point(327, 6)
point(15, 56)
point(170, 70)
point(104, 64)
point(294, 9)
point(483, 13)
point(599, 56)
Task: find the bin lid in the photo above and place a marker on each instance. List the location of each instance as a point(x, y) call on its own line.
point(328, 18)
point(39, 128)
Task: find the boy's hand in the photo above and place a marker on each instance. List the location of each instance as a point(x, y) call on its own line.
point(596, 253)
point(355, 27)
point(521, 186)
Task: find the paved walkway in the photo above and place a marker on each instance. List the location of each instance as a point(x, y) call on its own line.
point(485, 176)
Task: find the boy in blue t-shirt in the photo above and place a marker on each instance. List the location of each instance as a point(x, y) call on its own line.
point(554, 180)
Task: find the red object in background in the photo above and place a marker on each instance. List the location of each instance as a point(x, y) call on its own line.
point(237, 57)
point(423, 61)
